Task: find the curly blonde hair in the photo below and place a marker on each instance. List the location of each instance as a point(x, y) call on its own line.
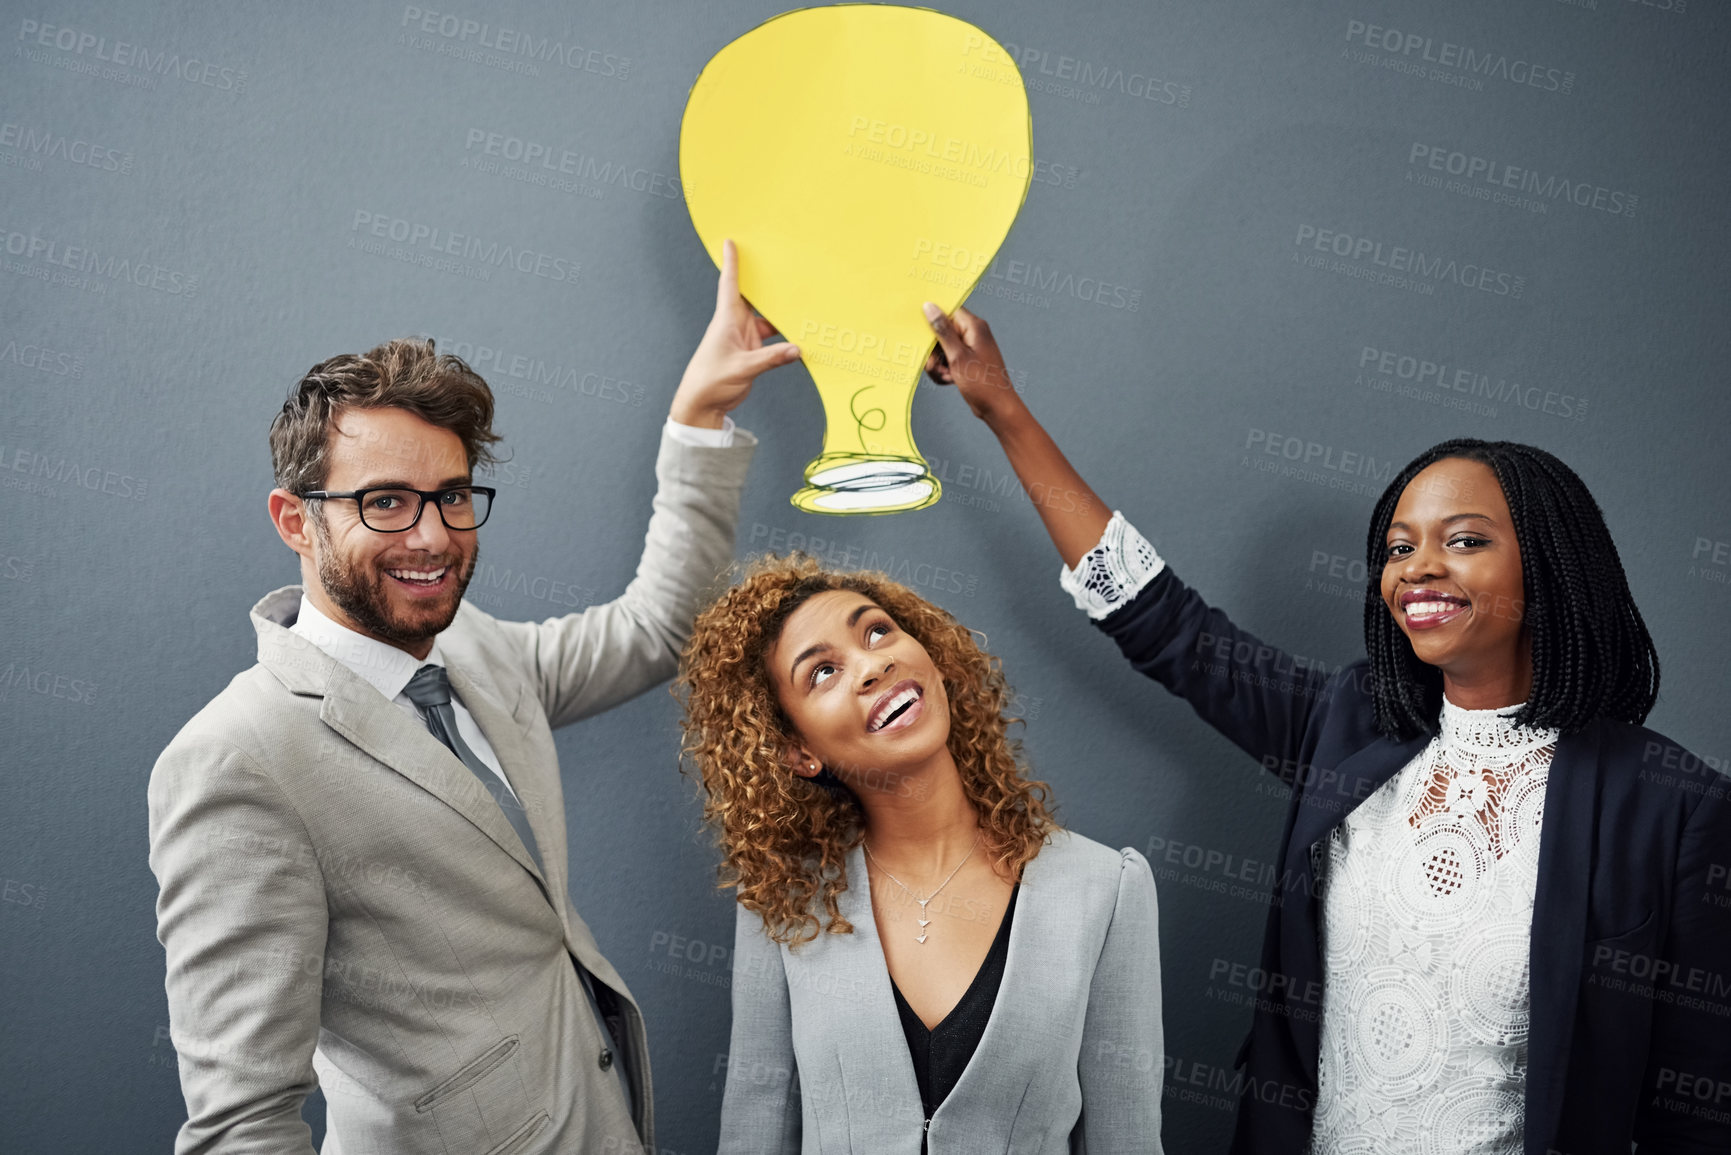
point(785, 838)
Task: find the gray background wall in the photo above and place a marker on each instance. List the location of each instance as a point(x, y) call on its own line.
point(1161, 300)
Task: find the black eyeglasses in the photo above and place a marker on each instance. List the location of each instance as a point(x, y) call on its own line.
point(397, 510)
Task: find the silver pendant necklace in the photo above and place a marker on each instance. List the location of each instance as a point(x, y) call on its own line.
point(923, 920)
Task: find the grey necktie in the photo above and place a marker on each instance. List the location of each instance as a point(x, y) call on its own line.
point(430, 690)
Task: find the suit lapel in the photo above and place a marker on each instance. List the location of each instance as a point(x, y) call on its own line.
point(357, 711)
point(862, 1036)
point(1325, 803)
point(1321, 806)
point(1560, 925)
point(1022, 999)
point(354, 709)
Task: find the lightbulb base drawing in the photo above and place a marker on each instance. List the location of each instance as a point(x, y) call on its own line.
point(844, 483)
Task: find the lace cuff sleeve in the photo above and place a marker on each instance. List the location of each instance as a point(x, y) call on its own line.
point(1114, 571)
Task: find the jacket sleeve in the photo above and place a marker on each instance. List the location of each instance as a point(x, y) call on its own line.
point(241, 916)
point(1122, 1064)
point(1685, 1103)
point(760, 1108)
point(586, 662)
point(1260, 697)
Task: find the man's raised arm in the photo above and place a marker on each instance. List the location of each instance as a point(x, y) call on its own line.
point(586, 662)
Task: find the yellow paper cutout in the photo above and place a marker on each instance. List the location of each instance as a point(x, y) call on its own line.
point(865, 158)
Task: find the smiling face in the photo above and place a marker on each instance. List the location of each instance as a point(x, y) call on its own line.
point(401, 588)
point(863, 696)
point(1452, 579)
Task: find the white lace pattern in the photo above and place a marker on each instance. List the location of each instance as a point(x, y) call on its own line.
point(1113, 572)
point(1427, 914)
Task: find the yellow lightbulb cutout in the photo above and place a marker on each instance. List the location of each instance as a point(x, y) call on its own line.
point(865, 158)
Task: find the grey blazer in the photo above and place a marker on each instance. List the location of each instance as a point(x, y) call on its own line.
point(342, 904)
point(1071, 1059)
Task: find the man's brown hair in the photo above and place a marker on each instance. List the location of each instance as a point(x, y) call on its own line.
point(402, 374)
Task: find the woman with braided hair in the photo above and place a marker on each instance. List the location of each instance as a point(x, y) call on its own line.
point(923, 960)
point(1498, 882)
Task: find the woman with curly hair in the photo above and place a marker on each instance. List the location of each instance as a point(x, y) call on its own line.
point(923, 959)
point(1498, 925)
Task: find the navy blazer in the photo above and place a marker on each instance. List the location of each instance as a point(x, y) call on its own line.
point(1631, 943)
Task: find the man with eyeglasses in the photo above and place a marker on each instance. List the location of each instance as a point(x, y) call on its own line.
point(360, 842)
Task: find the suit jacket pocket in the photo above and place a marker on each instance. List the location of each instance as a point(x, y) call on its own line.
point(469, 1073)
point(1633, 932)
point(481, 1106)
point(1615, 961)
point(521, 1138)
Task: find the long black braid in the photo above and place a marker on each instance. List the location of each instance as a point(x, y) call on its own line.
point(1592, 654)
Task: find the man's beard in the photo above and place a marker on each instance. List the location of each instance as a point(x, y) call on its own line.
point(361, 594)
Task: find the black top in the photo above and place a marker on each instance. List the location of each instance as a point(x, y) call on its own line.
point(941, 1053)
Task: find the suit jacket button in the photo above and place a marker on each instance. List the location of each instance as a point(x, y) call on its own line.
point(606, 1059)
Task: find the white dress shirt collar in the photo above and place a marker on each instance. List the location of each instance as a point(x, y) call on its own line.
point(386, 667)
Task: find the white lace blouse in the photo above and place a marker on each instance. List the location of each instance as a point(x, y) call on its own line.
point(1427, 893)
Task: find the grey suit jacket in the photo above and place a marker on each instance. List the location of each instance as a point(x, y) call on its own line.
point(1071, 1059)
point(342, 903)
